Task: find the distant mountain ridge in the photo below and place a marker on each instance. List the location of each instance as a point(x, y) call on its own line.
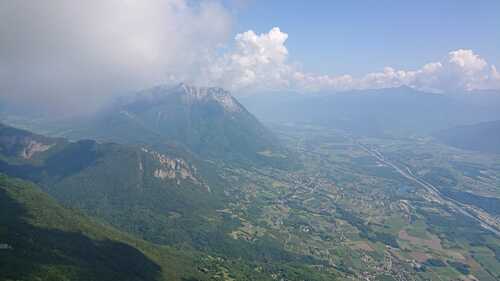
point(483, 137)
point(401, 111)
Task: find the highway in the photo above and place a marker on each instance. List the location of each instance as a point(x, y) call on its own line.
point(485, 220)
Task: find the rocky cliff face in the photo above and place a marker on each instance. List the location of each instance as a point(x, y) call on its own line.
point(21, 144)
point(191, 94)
point(33, 147)
point(172, 168)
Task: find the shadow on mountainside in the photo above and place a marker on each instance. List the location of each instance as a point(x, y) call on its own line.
point(34, 253)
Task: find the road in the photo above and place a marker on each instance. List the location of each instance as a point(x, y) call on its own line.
point(485, 220)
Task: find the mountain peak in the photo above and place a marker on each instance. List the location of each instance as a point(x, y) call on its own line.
point(195, 94)
point(188, 94)
point(201, 92)
point(208, 121)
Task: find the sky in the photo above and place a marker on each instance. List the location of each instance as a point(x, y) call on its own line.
point(358, 37)
point(75, 54)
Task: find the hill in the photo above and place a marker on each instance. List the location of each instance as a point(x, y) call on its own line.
point(134, 188)
point(41, 240)
point(483, 137)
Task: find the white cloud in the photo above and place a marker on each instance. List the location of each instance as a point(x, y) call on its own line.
point(460, 70)
point(261, 62)
point(256, 62)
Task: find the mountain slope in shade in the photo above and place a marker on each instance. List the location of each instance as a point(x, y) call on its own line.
point(483, 137)
point(207, 121)
point(41, 240)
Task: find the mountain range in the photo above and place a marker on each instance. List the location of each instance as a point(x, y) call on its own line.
point(401, 111)
point(483, 137)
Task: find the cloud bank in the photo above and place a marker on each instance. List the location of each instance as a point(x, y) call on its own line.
point(260, 62)
point(75, 53)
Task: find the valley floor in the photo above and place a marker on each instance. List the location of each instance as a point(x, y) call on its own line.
point(375, 209)
point(345, 208)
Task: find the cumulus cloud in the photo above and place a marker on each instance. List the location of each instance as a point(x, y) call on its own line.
point(256, 62)
point(65, 53)
point(261, 62)
point(460, 70)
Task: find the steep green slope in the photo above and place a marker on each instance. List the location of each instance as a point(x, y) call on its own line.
point(42, 240)
point(157, 196)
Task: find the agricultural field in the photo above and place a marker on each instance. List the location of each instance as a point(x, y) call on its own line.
point(376, 209)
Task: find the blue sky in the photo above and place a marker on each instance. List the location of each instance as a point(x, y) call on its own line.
point(357, 37)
